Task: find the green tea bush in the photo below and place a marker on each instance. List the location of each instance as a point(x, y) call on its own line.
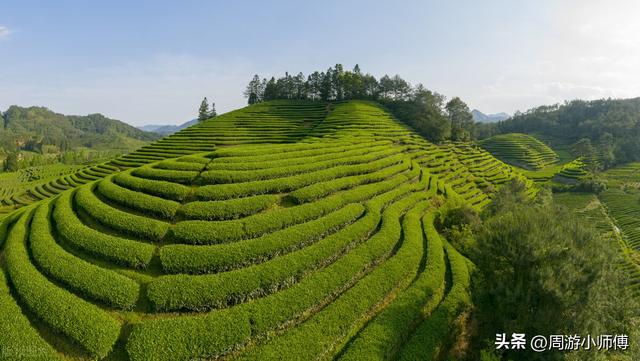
point(81, 321)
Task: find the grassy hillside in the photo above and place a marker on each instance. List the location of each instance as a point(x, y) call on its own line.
point(284, 228)
point(521, 150)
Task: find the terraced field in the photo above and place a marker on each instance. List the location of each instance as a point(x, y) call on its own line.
point(521, 150)
point(275, 122)
point(319, 243)
point(599, 212)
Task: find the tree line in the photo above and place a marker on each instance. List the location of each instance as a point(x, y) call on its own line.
point(605, 132)
point(426, 111)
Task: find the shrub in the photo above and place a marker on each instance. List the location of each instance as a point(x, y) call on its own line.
point(203, 232)
point(18, 340)
point(384, 335)
point(139, 201)
point(173, 191)
point(90, 280)
point(233, 208)
point(321, 189)
point(127, 252)
point(73, 317)
point(428, 339)
point(127, 223)
point(180, 258)
point(333, 324)
point(155, 338)
point(185, 177)
point(201, 292)
point(226, 176)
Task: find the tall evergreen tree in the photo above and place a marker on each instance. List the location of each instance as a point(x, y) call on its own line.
point(203, 112)
point(253, 90)
point(212, 112)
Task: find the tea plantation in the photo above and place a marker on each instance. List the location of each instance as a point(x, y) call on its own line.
point(284, 230)
point(521, 150)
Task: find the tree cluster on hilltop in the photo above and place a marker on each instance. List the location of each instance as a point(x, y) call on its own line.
point(606, 129)
point(426, 111)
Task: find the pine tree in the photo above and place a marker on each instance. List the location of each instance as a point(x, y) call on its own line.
point(203, 112)
point(212, 113)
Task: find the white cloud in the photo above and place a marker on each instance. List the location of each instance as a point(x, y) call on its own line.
point(4, 32)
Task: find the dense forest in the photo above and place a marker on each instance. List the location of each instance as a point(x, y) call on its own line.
point(608, 129)
point(36, 136)
point(426, 111)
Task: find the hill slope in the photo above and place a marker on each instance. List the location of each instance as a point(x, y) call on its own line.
point(40, 126)
point(309, 223)
point(521, 150)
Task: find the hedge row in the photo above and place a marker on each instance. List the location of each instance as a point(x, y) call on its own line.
point(5, 225)
point(84, 323)
point(202, 292)
point(237, 176)
point(269, 152)
point(173, 191)
point(204, 232)
point(148, 229)
point(323, 156)
point(178, 165)
point(229, 209)
point(324, 332)
point(18, 340)
point(428, 339)
point(124, 251)
point(322, 189)
point(177, 176)
point(280, 185)
point(179, 258)
point(139, 201)
point(90, 280)
point(167, 339)
point(384, 335)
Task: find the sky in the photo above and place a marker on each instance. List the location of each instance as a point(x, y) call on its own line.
point(151, 62)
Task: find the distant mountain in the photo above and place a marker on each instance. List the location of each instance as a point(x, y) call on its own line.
point(167, 129)
point(479, 116)
point(33, 128)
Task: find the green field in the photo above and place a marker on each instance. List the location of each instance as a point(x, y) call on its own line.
point(285, 228)
point(521, 150)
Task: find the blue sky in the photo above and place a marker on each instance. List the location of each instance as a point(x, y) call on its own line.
point(147, 62)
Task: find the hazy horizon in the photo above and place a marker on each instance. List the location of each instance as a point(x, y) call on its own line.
point(152, 62)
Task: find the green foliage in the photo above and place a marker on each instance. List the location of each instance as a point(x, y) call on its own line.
point(203, 111)
point(18, 339)
point(428, 340)
point(543, 271)
point(11, 162)
point(124, 251)
point(382, 338)
point(81, 321)
point(95, 282)
point(204, 259)
point(229, 209)
point(462, 124)
point(611, 125)
point(202, 292)
point(521, 150)
point(168, 190)
point(124, 222)
point(139, 201)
